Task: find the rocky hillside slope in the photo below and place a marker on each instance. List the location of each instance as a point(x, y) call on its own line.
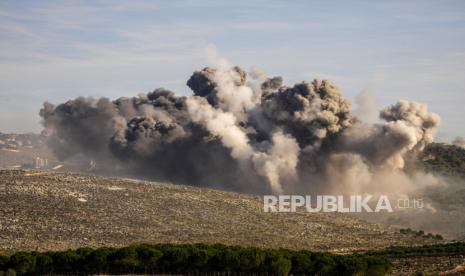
point(51, 211)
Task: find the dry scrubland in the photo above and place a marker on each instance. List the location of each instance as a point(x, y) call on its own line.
point(450, 265)
point(56, 211)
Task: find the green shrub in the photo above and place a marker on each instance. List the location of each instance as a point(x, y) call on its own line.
point(44, 264)
point(301, 262)
point(23, 262)
point(148, 258)
point(123, 260)
point(97, 260)
point(3, 263)
point(278, 264)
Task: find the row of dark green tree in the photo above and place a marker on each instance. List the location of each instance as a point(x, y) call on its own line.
point(191, 259)
point(455, 248)
point(420, 233)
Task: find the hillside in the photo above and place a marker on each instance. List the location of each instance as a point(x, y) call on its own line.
point(443, 159)
point(43, 210)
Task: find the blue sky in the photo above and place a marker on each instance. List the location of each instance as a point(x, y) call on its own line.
point(57, 50)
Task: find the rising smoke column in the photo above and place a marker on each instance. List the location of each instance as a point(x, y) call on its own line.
point(459, 142)
point(371, 157)
point(242, 136)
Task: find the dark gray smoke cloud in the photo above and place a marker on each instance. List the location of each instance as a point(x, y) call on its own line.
point(272, 84)
point(241, 136)
point(204, 84)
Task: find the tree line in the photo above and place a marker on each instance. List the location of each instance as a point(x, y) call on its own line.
point(455, 248)
point(190, 259)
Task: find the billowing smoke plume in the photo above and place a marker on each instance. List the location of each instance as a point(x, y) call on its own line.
point(256, 136)
point(459, 142)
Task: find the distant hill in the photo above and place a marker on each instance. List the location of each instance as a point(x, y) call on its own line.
point(444, 159)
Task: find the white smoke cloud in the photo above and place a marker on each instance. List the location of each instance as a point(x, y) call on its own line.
point(222, 124)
